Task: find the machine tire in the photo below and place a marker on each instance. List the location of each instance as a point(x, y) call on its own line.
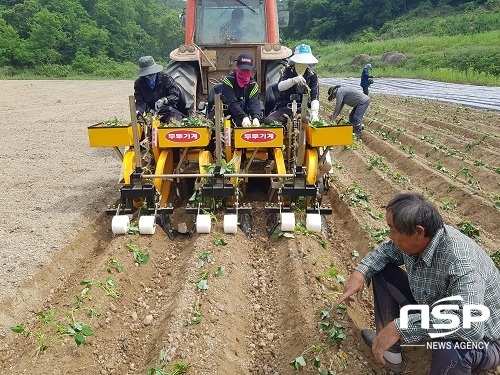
point(186, 76)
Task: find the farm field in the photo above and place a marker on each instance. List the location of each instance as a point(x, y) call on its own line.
point(265, 297)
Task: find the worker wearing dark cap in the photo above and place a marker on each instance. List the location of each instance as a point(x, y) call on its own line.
point(241, 94)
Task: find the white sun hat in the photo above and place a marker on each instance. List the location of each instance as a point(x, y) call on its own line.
point(303, 55)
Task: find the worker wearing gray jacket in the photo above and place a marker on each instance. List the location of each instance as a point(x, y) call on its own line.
point(353, 98)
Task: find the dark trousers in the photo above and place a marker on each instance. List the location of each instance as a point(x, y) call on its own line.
point(391, 291)
point(168, 113)
point(278, 115)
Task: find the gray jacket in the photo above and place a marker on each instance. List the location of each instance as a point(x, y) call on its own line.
point(350, 96)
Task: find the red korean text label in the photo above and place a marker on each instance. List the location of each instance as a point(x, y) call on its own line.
point(182, 136)
point(258, 136)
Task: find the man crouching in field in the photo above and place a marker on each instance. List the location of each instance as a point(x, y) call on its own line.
point(451, 290)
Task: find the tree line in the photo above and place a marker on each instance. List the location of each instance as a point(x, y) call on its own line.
point(85, 34)
point(338, 20)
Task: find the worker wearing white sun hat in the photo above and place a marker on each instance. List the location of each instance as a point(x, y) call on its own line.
point(294, 79)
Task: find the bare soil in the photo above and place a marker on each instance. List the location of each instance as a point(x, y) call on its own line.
point(263, 309)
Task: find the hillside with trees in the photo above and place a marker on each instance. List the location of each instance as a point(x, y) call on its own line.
point(103, 38)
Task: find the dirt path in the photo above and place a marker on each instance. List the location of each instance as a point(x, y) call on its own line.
point(263, 304)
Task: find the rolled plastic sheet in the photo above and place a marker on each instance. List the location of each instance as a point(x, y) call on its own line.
point(313, 222)
point(287, 221)
point(120, 224)
point(203, 223)
point(147, 225)
point(230, 223)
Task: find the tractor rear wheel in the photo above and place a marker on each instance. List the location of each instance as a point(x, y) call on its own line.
point(186, 76)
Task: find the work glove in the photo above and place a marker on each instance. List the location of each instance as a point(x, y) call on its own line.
point(160, 103)
point(245, 122)
point(287, 83)
point(299, 80)
point(314, 110)
point(255, 122)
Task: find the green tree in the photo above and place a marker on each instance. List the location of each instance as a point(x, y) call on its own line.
point(46, 36)
point(20, 16)
point(12, 47)
point(91, 40)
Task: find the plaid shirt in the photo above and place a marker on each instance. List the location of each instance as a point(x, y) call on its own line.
point(451, 265)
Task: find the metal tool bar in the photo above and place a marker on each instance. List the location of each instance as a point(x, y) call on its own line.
point(208, 175)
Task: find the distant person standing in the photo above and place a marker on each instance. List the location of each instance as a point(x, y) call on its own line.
point(353, 98)
point(366, 78)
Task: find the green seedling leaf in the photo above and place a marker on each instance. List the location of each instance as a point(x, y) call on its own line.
point(85, 293)
point(131, 246)
point(114, 265)
point(324, 326)
point(325, 314)
point(110, 281)
point(140, 257)
point(316, 362)
point(205, 256)
point(87, 331)
point(219, 272)
point(133, 230)
point(341, 307)
point(18, 329)
point(202, 284)
point(220, 241)
point(80, 340)
point(299, 361)
point(45, 318)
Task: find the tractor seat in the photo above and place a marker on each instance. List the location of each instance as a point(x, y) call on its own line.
point(272, 95)
point(216, 89)
point(182, 105)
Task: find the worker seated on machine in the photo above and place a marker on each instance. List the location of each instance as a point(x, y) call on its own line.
point(293, 83)
point(156, 91)
point(240, 94)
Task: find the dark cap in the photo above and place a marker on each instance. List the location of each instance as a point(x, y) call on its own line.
point(245, 61)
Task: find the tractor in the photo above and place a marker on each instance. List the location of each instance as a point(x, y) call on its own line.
point(209, 53)
point(163, 163)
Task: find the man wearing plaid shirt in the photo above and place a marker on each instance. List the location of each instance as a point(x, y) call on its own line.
point(440, 262)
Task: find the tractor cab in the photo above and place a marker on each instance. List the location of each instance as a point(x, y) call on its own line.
point(217, 32)
point(230, 22)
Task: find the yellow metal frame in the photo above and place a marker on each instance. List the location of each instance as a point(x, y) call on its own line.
point(164, 165)
point(111, 136)
point(337, 135)
point(311, 164)
point(128, 165)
